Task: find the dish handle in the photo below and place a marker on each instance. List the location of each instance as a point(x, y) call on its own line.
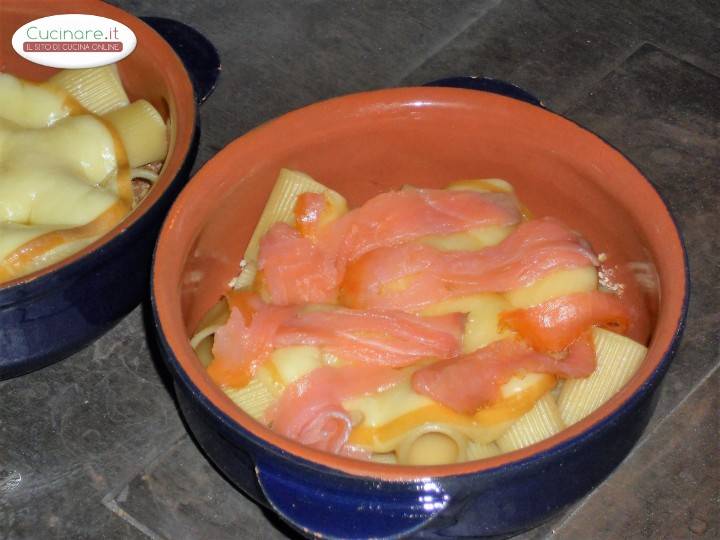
point(340, 506)
point(487, 84)
point(200, 57)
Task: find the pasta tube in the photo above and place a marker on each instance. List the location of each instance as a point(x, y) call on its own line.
point(99, 90)
point(476, 450)
point(389, 458)
point(255, 397)
point(142, 131)
point(497, 185)
point(202, 341)
point(541, 422)
point(280, 206)
point(618, 358)
point(432, 445)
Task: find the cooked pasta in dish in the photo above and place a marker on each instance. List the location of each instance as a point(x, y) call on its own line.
point(426, 326)
point(75, 158)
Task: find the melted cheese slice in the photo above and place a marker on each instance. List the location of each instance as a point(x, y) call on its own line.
point(64, 172)
point(49, 196)
point(390, 417)
point(82, 145)
point(382, 408)
point(481, 326)
point(470, 240)
point(14, 235)
point(30, 105)
point(558, 283)
point(288, 364)
point(52, 198)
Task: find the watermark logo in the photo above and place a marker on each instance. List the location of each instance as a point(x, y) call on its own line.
point(74, 41)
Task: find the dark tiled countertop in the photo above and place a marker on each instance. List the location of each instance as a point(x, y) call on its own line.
point(94, 447)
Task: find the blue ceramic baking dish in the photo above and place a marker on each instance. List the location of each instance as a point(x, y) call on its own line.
point(49, 314)
point(363, 144)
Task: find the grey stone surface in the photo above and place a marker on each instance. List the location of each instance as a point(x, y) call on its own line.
point(279, 55)
point(660, 111)
point(183, 497)
point(73, 431)
point(558, 48)
point(94, 447)
point(669, 487)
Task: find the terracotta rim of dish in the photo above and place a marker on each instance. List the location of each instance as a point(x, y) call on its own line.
point(182, 89)
point(171, 252)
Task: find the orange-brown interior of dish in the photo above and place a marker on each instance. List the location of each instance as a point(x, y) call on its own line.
point(169, 89)
point(364, 144)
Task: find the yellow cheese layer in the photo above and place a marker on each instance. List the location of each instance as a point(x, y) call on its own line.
point(81, 145)
point(388, 417)
point(558, 283)
point(481, 326)
point(470, 240)
point(49, 195)
point(64, 176)
point(30, 105)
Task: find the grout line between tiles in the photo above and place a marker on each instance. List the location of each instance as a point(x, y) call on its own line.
point(682, 57)
point(444, 43)
point(686, 57)
point(583, 89)
point(154, 458)
point(114, 507)
point(639, 444)
point(110, 499)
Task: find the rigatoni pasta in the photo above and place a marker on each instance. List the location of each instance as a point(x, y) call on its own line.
point(476, 451)
point(97, 90)
point(541, 422)
point(256, 397)
point(424, 327)
point(280, 208)
point(618, 358)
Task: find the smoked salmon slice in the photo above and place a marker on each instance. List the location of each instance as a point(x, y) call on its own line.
point(639, 301)
point(379, 337)
point(310, 409)
point(306, 263)
point(555, 324)
point(413, 275)
point(241, 345)
point(472, 381)
point(295, 270)
point(248, 302)
point(397, 217)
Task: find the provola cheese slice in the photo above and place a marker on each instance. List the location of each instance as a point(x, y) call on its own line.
point(30, 105)
point(82, 145)
point(49, 196)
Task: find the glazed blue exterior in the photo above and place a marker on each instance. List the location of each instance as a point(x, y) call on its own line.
point(487, 84)
point(56, 314)
point(319, 501)
point(50, 317)
point(316, 500)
